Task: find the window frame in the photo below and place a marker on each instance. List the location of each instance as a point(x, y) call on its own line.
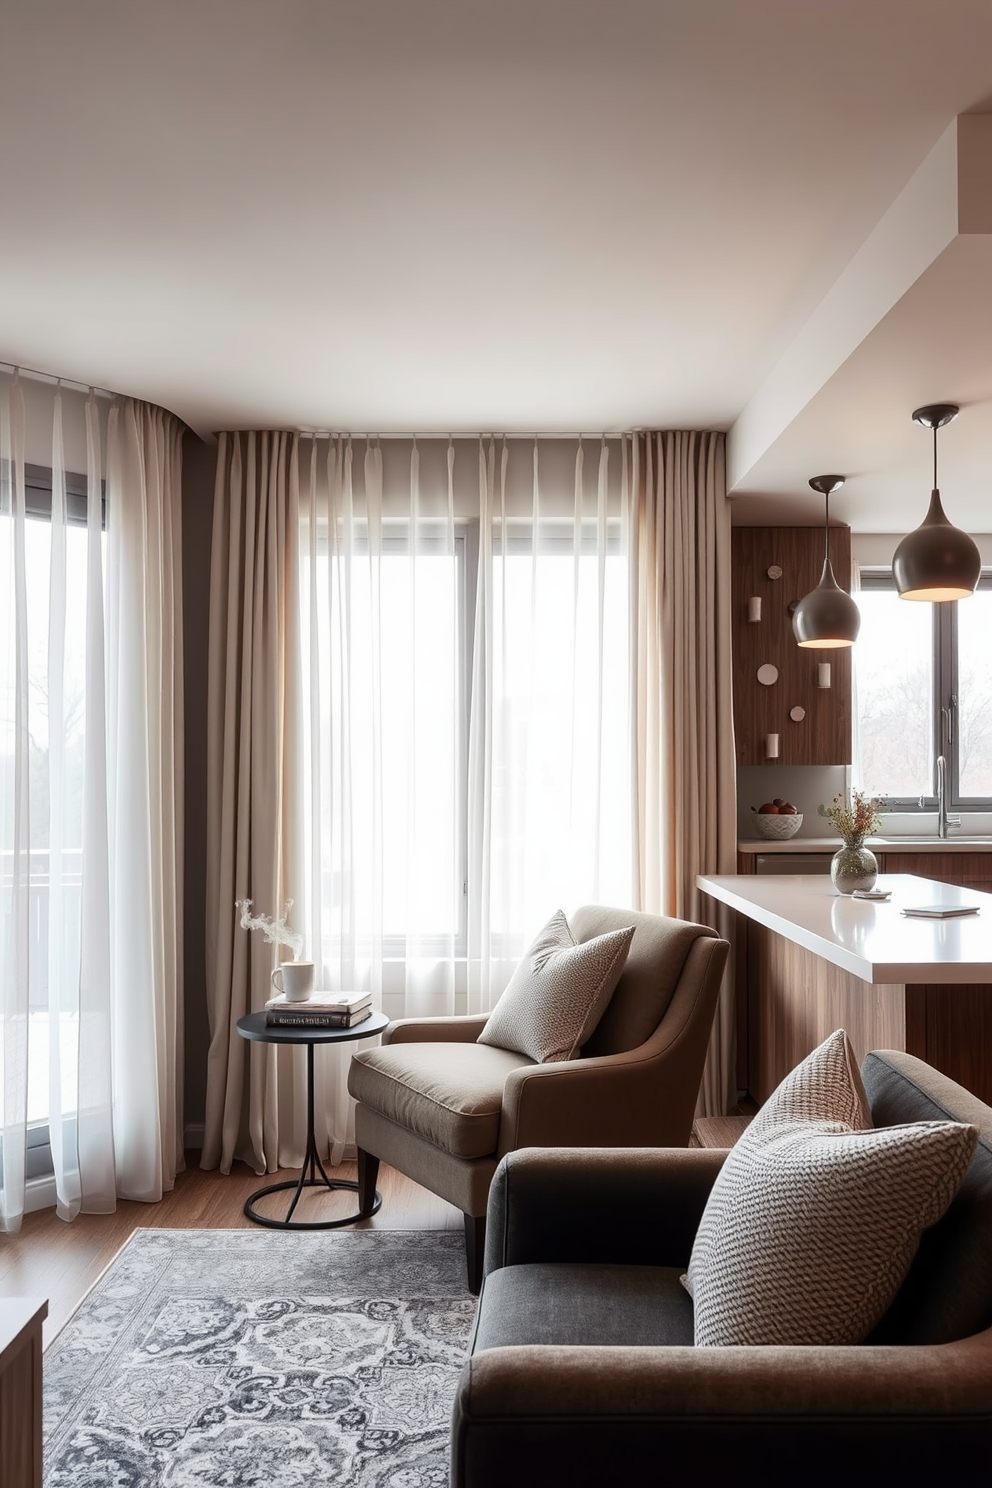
point(944, 704)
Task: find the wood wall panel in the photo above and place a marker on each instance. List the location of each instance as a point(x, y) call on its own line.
point(798, 999)
point(824, 735)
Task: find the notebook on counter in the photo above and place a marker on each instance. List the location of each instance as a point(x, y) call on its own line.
point(940, 911)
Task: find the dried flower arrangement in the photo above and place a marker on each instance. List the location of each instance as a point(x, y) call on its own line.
point(853, 819)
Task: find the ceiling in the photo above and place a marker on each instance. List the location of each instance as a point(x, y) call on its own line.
point(550, 216)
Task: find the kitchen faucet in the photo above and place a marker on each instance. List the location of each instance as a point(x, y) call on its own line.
point(941, 796)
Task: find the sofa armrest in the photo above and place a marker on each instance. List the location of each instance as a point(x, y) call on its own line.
point(540, 1414)
point(454, 1030)
point(637, 1206)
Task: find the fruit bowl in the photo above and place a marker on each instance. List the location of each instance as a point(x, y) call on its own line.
point(776, 827)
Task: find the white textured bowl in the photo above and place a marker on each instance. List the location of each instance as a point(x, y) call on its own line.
point(777, 827)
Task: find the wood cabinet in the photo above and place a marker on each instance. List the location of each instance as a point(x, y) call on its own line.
point(20, 1391)
point(823, 736)
point(951, 1026)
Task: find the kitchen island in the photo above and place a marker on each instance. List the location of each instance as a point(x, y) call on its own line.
point(817, 960)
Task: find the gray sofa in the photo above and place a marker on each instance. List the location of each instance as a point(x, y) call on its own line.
point(582, 1369)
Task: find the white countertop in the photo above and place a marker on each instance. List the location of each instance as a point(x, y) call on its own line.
point(872, 940)
point(877, 844)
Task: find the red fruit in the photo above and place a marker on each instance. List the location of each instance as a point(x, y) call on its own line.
point(769, 809)
point(788, 810)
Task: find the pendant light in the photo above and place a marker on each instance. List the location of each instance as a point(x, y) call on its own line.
point(827, 616)
point(937, 561)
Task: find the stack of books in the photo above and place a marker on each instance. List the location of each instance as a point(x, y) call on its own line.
point(321, 1010)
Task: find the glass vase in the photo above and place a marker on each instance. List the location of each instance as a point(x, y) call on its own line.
point(853, 867)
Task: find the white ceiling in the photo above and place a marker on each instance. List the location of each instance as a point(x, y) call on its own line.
point(451, 216)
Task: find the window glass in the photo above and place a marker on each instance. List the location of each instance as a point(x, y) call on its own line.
point(893, 668)
point(974, 710)
point(37, 548)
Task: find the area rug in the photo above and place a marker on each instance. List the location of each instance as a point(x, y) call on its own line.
point(237, 1359)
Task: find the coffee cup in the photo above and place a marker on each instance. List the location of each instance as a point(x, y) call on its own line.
point(294, 980)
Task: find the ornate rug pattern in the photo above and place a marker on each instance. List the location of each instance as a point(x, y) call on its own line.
point(236, 1359)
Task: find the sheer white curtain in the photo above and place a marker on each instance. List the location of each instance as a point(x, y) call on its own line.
point(420, 732)
point(90, 797)
point(550, 789)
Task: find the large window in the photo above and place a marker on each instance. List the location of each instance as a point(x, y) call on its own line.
point(923, 680)
point(48, 937)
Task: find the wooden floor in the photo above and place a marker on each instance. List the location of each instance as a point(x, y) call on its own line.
point(60, 1261)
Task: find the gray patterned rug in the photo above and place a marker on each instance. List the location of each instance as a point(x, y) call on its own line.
point(245, 1359)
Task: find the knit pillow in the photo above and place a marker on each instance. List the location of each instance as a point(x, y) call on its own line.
point(558, 993)
point(815, 1217)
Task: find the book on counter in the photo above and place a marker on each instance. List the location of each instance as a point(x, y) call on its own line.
point(939, 911)
point(320, 1010)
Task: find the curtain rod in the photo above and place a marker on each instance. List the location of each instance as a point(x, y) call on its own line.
point(68, 382)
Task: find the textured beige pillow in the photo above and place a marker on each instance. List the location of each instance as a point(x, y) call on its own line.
point(558, 993)
point(815, 1217)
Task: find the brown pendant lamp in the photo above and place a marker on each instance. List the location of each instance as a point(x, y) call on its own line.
point(937, 561)
point(827, 616)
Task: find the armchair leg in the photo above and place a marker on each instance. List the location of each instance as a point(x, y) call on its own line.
point(368, 1172)
point(475, 1249)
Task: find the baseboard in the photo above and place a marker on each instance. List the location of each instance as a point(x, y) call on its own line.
point(40, 1193)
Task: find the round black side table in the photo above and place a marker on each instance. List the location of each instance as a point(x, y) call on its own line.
point(254, 1027)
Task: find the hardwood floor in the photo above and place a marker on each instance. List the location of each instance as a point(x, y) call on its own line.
point(60, 1261)
point(49, 1258)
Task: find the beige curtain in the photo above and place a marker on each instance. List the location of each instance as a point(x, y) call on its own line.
point(685, 775)
point(252, 772)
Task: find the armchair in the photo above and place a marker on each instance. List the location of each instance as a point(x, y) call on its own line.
point(582, 1368)
point(443, 1108)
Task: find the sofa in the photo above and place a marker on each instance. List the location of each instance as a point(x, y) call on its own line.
point(582, 1366)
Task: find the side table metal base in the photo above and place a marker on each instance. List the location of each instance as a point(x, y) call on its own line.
point(299, 1185)
point(308, 1178)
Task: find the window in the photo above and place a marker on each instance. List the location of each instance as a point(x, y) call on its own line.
point(923, 686)
point(389, 646)
point(67, 872)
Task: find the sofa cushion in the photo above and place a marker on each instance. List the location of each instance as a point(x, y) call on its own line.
point(947, 1293)
point(812, 1224)
point(558, 993)
point(582, 1304)
point(650, 975)
point(451, 1094)
point(826, 1086)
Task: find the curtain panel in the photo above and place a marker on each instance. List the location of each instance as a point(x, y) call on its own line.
point(91, 790)
point(686, 793)
point(454, 686)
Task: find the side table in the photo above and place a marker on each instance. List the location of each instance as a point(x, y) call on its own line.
point(254, 1027)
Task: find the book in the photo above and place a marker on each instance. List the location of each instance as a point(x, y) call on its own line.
point(322, 1002)
point(940, 911)
point(277, 1018)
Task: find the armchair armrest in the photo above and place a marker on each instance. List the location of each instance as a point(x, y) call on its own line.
point(637, 1206)
point(453, 1030)
point(540, 1414)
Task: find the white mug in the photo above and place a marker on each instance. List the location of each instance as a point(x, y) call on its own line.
point(294, 979)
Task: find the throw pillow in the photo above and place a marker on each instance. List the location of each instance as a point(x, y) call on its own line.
point(812, 1223)
point(558, 993)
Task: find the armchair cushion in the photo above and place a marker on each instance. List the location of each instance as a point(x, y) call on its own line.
point(812, 1225)
point(558, 992)
point(451, 1094)
point(573, 1304)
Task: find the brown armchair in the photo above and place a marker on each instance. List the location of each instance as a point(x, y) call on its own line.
point(443, 1109)
point(583, 1368)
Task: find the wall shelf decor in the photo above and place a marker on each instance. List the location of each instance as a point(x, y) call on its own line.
point(796, 553)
